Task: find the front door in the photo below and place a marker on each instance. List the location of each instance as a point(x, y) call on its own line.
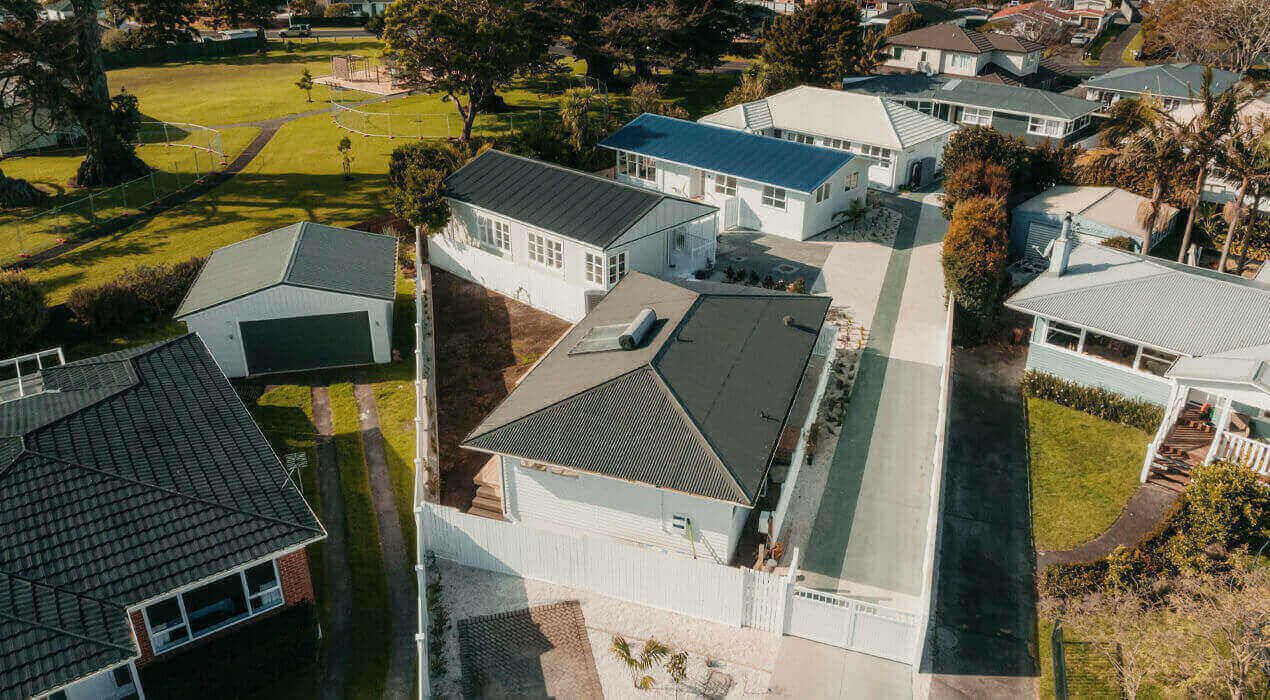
point(915, 174)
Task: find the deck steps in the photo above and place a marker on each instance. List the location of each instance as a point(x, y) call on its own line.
point(1185, 447)
point(488, 501)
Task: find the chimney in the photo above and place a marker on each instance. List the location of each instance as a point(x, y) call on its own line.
point(1061, 248)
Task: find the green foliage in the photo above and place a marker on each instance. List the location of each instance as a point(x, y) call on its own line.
point(1120, 243)
point(416, 180)
point(305, 82)
point(1227, 505)
point(1072, 580)
point(821, 43)
point(904, 22)
point(1093, 400)
point(23, 313)
point(759, 81)
point(646, 97)
point(141, 295)
point(345, 149)
point(976, 178)
point(126, 115)
point(337, 9)
point(375, 25)
point(1017, 170)
point(1126, 118)
point(974, 261)
point(438, 620)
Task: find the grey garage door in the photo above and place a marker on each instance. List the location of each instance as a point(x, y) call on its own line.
point(307, 342)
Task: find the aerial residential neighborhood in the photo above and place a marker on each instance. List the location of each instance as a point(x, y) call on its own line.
point(639, 348)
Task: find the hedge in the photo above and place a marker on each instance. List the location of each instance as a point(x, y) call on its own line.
point(1093, 400)
point(23, 313)
point(140, 295)
point(240, 661)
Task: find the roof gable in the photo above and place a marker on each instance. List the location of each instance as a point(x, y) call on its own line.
point(1177, 80)
point(950, 37)
point(762, 159)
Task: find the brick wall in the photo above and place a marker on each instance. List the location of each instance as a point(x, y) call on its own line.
point(293, 574)
point(143, 640)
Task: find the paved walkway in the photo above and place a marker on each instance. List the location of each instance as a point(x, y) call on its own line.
point(402, 594)
point(339, 581)
point(806, 669)
point(1112, 55)
point(1140, 516)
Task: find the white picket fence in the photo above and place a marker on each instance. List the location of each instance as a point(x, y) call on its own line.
point(697, 588)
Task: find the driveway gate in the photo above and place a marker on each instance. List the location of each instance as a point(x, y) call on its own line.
point(852, 624)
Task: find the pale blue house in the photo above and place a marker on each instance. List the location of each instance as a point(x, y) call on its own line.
point(1098, 213)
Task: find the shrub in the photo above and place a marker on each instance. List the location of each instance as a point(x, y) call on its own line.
point(23, 313)
point(1120, 243)
point(798, 286)
point(974, 262)
point(975, 178)
point(1093, 400)
point(1226, 505)
point(140, 295)
point(904, 22)
point(1072, 580)
point(337, 9)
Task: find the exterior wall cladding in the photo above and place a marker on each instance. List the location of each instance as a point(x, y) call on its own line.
point(297, 587)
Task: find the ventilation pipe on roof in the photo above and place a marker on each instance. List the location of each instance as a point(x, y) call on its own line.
point(635, 331)
point(1061, 248)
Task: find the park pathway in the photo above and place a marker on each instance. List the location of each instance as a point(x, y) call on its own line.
point(1141, 515)
point(402, 593)
point(339, 581)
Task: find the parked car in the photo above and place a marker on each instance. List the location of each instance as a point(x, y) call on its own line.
point(296, 30)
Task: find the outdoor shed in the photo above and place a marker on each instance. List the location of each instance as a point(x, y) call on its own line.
point(302, 297)
point(1098, 213)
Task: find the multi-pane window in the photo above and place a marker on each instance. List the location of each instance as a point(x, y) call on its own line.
point(881, 155)
point(822, 193)
point(1131, 355)
point(494, 233)
point(547, 252)
point(203, 610)
point(800, 138)
point(636, 165)
point(594, 265)
point(961, 60)
point(1044, 127)
point(853, 181)
point(617, 267)
point(678, 240)
point(976, 115)
point(1062, 335)
point(725, 185)
point(897, 52)
point(840, 144)
point(773, 197)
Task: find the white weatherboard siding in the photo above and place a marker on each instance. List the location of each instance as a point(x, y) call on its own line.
point(638, 513)
point(562, 291)
point(218, 326)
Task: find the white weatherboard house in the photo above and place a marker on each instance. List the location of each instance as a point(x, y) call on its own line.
point(302, 297)
point(760, 183)
point(1192, 340)
point(558, 239)
point(656, 419)
point(904, 144)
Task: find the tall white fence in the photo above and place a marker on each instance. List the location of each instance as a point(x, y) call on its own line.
point(694, 587)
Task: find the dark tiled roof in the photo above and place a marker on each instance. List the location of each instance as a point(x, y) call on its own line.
point(763, 159)
point(698, 408)
point(303, 254)
point(574, 204)
point(134, 474)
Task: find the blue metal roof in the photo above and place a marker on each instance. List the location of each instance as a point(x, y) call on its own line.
point(764, 159)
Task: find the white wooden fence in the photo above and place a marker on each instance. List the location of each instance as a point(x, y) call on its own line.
point(697, 588)
point(1229, 447)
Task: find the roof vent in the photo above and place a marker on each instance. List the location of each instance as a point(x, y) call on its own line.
point(635, 331)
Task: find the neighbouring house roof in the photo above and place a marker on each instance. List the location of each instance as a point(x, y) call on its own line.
point(974, 93)
point(304, 254)
point(837, 114)
point(764, 159)
point(1176, 80)
point(1109, 206)
point(574, 204)
point(1189, 310)
point(698, 407)
point(1039, 10)
point(1245, 371)
point(950, 37)
point(930, 12)
point(132, 474)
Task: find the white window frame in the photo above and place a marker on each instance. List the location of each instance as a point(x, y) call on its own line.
point(494, 234)
point(1043, 126)
point(593, 268)
point(774, 197)
point(840, 144)
point(1048, 325)
point(851, 182)
point(878, 153)
point(961, 60)
point(248, 596)
point(545, 251)
point(798, 137)
point(823, 192)
point(637, 166)
point(617, 267)
point(725, 185)
point(980, 116)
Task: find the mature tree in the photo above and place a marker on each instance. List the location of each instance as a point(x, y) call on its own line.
point(1202, 139)
point(1231, 34)
point(239, 13)
point(161, 21)
point(1244, 158)
point(1126, 118)
point(581, 26)
point(682, 35)
point(55, 66)
point(1157, 152)
point(904, 22)
point(1119, 626)
point(306, 8)
point(1224, 627)
point(822, 43)
point(974, 257)
point(22, 312)
point(416, 180)
point(976, 178)
point(466, 49)
point(759, 81)
point(646, 97)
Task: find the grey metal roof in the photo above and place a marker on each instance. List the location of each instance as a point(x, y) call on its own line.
point(697, 408)
point(145, 475)
point(973, 93)
point(1188, 310)
point(1110, 206)
point(303, 254)
point(1179, 80)
point(1224, 369)
point(762, 159)
point(574, 204)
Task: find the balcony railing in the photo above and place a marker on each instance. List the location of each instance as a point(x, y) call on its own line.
point(1241, 450)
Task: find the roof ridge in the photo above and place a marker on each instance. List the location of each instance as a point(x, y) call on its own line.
point(677, 403)
point(574, 171)
point(59, 630)
point(295, 250)
point(175, 492)
point(61, 589)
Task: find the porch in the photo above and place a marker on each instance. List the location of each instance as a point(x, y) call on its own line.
point(1202, 427)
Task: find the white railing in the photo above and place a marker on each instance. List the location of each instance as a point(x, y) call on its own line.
point(1241, 450)
point(1162, 434)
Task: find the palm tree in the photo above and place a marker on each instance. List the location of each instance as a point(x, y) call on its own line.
point(1245, 157)
point(639, 666)
point(1126, 118)
point(1202, 139)
point(1155, 151)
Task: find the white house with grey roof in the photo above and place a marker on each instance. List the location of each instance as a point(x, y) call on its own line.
point(302, 297)
point(1176, 86)
point(658, 418)
point(1194, 341)
point(905, 146)
point(759, 183)
point(559, 239)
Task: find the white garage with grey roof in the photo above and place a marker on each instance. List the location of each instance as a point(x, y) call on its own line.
point(302, 297)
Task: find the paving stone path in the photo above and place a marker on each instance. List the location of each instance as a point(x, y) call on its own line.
point(402, 592)
point(1140, 516)
point(339, 581)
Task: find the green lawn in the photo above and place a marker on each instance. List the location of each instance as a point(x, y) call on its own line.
point(1084, 470)
point(1135, 45)
point(1089, 673)
point(1100, 42)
